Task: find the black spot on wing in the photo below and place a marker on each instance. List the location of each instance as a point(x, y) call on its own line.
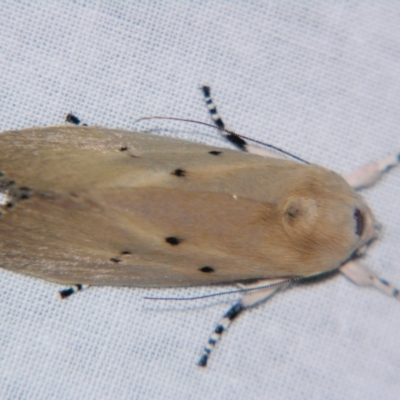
point(115, 260)
point(173, 240)
point(215, 152)
point(126, 149)
point(125, 252)
point(179, 172)
point(206, 269)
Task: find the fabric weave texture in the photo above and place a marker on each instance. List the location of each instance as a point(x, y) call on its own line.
point(319, 79)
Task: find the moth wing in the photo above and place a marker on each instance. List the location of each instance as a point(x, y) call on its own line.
point(103, 204)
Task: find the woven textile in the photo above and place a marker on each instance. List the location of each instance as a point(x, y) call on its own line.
point(319, 79)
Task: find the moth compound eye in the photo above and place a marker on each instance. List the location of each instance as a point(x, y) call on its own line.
point(360, 222)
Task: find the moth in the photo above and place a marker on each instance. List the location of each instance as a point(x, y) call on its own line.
point(95, 206)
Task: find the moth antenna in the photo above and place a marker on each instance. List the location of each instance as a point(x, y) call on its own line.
point(242, 290)
point(224, 130)
point(71, 290)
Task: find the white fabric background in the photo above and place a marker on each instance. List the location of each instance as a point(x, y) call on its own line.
point(319, 79)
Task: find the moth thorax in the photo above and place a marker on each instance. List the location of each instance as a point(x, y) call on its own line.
point(300, 216)
point(318, 221)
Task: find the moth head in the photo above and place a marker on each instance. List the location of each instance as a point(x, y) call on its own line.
point(366, 226)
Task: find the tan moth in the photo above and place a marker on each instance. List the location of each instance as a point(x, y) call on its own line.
point(95, 206)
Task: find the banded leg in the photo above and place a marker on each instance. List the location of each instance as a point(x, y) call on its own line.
point(363, 276)
point(71, 290)
point(250, 299)
point(212, 109)
point(371, 173)
point(236, 140)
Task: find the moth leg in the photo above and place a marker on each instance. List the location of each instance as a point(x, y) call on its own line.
point(236, 140)
point(212, 109)
point(371, 173)
point(250, 299)
point(71, 290)
point(73, 119)
point(363, 276)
